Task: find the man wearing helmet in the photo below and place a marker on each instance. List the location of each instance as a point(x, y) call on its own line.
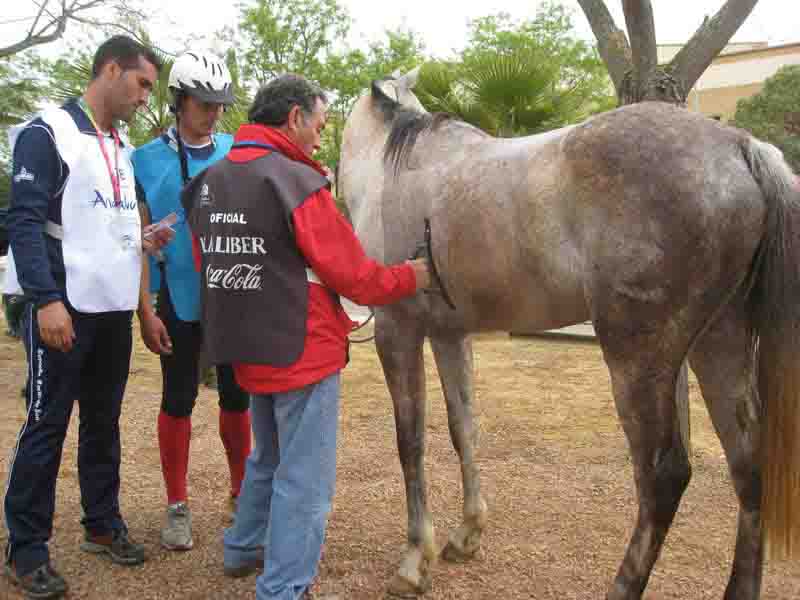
point(201, 88)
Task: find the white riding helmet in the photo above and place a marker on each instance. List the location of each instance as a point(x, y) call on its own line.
point(203, 76)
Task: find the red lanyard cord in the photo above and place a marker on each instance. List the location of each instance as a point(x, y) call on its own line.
point(113, 173)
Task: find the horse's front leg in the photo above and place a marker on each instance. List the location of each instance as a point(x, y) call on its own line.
point(454, 362)
point(399, 344)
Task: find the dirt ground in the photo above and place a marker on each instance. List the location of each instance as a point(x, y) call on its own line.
point(556, 475)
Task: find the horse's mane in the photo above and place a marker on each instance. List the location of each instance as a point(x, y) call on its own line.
point(406, 125)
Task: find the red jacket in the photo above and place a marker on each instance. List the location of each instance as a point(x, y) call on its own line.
point(332, 250)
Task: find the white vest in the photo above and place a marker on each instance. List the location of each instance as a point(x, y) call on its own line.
point(101, 243)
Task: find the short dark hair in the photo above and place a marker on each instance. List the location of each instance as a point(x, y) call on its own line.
point(125, 51)
point(274, 100)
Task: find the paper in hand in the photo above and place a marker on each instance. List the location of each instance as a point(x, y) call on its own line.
point(165, 223)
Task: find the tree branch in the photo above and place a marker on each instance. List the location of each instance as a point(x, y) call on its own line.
point(611, 41)
point(34, 40)
point(57, 24)
point(642, 36)
point(37, 17)
point(708, 41)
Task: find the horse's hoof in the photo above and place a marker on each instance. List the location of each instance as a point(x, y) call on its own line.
point(451, 553)
point(400, 587)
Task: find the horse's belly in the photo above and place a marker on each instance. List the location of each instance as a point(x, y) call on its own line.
point(526, 303)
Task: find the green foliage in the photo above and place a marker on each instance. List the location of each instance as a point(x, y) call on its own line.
point(774, 113)
point(20, 90)
point(521, 78)
point(304, 36)
point(281, 36)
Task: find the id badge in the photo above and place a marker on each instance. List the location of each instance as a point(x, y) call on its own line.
point(125, 230)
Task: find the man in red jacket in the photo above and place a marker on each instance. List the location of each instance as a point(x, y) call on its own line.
point(275, 254)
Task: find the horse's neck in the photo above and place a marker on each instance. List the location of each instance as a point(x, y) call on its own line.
point(362, 192)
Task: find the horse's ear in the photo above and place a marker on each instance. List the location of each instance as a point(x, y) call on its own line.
point(409, 80)
point(387, 87)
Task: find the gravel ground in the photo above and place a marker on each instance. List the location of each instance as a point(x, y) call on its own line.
point(556, 475)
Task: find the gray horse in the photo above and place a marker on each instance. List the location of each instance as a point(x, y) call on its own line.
point(675, 235)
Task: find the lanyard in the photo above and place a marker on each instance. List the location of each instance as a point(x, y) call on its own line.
point(113, 173)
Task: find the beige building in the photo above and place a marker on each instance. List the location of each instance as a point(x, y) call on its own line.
point(738, 72)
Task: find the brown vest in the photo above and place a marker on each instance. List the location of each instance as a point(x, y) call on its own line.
point(254, 289)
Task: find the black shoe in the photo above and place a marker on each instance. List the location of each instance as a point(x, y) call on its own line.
point(117, 545)
point(43, 582)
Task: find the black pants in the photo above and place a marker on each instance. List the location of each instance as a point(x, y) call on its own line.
point(95, 372)
point(181, 370)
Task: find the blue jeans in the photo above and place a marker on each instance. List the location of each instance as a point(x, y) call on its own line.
point(288, 488)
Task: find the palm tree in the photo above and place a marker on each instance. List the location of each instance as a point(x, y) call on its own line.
point(520, 92)
point(519, 78)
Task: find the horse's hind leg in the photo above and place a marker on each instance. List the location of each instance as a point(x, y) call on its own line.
point(454, 362)
point(643, 375)
point(399, 343)
point(723, 361)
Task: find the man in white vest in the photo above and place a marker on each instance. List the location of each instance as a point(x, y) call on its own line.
point(76, 246)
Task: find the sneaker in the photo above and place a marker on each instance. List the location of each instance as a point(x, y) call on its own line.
point(177, 533)
point(44, 582)
point(117, 545)
point(247, 568)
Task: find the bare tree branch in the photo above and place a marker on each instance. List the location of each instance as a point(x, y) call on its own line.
point(37, 17)
point(708, 41)
point(611, 41)
point(35, 39)
point(642, 36)
point(117, 25)
point(54, 27)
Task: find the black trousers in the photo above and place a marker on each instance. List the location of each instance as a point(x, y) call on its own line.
point(95, 372)
point(181, 370)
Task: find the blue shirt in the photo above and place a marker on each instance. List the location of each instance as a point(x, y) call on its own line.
point(159, 183)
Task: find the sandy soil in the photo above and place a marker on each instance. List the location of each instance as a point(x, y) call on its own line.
point(556, 475)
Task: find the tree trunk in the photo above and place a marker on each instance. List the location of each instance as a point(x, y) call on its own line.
point(642, 35)
point(633, 66)
point(611, 41)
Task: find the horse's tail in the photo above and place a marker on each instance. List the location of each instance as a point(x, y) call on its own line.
point(774, 302)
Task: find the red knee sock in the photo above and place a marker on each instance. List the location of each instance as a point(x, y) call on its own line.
point(174, 434)
point(234, 430)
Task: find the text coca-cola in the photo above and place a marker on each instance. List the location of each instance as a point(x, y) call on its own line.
point(237, 277)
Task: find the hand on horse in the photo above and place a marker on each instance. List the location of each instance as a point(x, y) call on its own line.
point(422, 273)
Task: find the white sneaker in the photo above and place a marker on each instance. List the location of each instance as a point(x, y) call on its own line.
point(177, 533)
